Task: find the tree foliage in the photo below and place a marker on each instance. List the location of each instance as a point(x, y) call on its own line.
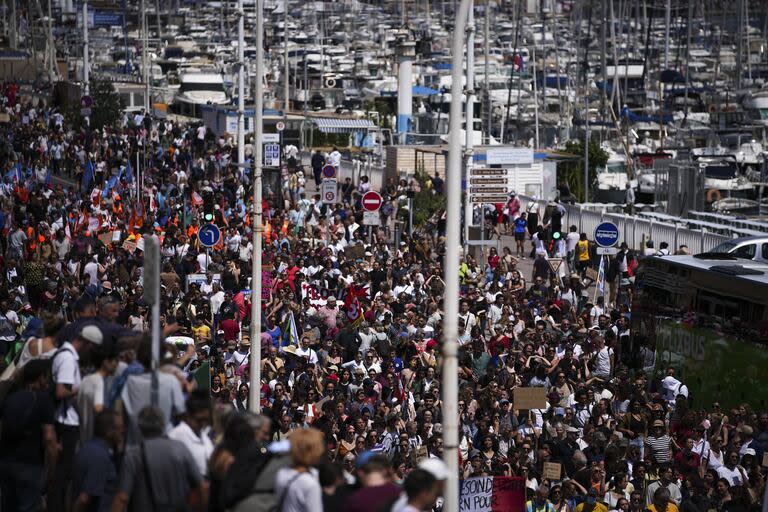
point(107, 104)
point(573, 171)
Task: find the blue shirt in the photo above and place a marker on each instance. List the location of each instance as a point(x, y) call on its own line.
point(94, 473)
point(520, 224)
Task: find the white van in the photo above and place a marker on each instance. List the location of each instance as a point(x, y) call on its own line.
point(749, 247)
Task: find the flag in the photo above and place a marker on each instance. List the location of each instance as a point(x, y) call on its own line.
point(291, 331)
point(197, 199)
point(352, 304)
point(111, 183)
point(601, 276)
point(129, 172)
point(87, 176)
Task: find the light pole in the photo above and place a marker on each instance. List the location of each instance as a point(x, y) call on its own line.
point(240, 83)
point(470, 125)
point(451, 270)
point(254, 399)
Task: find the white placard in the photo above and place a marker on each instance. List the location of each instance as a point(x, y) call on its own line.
point(329, 191)
point(372, 218)
point(506, 156)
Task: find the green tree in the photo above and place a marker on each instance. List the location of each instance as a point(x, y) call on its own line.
point(107, 104)
point(573, 171)
point(425, 203)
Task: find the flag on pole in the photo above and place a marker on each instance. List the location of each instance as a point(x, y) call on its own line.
point(601, 276)
point(87, 175)
point(129, 172)
point(291, 332)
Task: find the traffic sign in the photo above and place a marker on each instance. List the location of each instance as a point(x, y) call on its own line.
point(372, 201)
point(209, 235)
point(488, 190)
point(280, 126)
point(489, 172)
point(329, 191)
point(609, 251)
point(488, 181)
point(85, 111)
point(606, 234)
point(86, 102)
point(272, 155)
point(329, 171)
point(371, 218)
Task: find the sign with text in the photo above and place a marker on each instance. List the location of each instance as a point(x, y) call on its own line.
point(492, 494)
point(530, 398)
point(509, 156)
point(272, 155)
point(552, 471)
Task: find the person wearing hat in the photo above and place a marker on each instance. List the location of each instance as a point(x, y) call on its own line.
point(659, 442)
point(240, 356)
point(65, 369)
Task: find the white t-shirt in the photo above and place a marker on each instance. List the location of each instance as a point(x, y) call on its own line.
point(66, 370)
point(734, 476)
point(200, 447)
point(603, 362)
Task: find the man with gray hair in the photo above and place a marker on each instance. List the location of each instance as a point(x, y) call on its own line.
point(158, 473)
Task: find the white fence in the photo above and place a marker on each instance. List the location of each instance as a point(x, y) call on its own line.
point(635, 230)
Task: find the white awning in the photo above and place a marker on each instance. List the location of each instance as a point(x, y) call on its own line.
point(341, 125)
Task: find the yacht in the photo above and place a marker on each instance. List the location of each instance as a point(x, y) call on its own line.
point(197, 89)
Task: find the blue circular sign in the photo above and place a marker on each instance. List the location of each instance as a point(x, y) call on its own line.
point(209, 235)
point(329, 171)
point(606, 234)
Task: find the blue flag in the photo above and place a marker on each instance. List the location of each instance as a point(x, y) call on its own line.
point(87, 176)
point(129, 172)
point(109, 186)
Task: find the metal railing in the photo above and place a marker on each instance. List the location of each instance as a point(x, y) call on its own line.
point(635, 230)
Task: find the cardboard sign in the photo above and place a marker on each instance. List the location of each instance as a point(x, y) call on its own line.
point(421, 453)
point(106, 238)
point(130, 246)
point(530, 398)
point(492, 494)
point(552, 470)
point(354, 252)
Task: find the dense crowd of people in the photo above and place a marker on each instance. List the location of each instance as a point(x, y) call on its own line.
point(350, 396)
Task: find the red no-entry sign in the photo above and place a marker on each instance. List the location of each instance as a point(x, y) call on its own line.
point(372, 201)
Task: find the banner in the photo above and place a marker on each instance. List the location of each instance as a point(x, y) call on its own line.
point(492, 494)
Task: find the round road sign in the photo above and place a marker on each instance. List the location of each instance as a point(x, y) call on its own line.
point(329, 171)
point(330, 197)
point(280, 126)
point(209, 235)
point(372, 201)
point(606, 234)
point(86, 102)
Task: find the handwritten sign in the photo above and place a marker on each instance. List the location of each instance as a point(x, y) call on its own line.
point(552, 470)
point(530, 398)
point(266, 284)
point(492, 494)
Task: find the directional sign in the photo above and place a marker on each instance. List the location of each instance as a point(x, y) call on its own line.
point(488, 181)
point(477, 198)
point(488, 190)
point(280, 126)
point(489, 172)
point(606, 234)
point(372, 201)
point(329, 171)
point(272, 155)
point(329, 191)
point(209, 235)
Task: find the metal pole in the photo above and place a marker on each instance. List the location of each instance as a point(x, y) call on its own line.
point(470, 110)
point(535, 97)
point(254, 399)
point(13, 37)
point(451, 301)
point(666, 34)
point(240, 83)
point(86, 56)
point(286, 90)
point(486, 54)
point(586, 144)
point(144, 57)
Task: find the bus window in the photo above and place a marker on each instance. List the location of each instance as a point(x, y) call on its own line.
point(747, 251)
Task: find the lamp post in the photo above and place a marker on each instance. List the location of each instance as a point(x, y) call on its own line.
point(451, 270)
point(254, 398)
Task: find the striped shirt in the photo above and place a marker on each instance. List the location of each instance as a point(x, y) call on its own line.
point(659, 447)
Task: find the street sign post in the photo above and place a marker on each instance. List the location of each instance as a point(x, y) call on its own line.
point(209, 235)
point(372, 201)
point(272, 155)
point(329, 191)
point(280, 126)
point(490, 185)
point(606, 234)
point(152, 296)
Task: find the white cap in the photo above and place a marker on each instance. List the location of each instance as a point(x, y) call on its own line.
point(436, 467)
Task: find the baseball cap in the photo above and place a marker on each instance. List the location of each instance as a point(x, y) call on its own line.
point(92, 334)
point(436, 467)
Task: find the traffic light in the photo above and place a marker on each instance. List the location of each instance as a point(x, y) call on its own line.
point(208, 207)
